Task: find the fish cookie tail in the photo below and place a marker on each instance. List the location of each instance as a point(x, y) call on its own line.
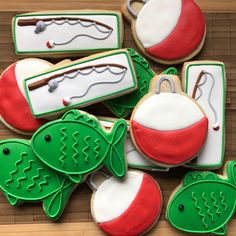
point(231, 171)
point(55, 203)
point(115, 160)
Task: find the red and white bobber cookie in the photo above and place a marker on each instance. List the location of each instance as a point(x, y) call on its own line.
point(167, 126)
point(169, 31)
point(129, 207)
point(14, 110)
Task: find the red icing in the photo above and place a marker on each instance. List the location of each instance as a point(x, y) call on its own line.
point(170, 147)
point(14, 108)
point(141, 214)
point(186, 36)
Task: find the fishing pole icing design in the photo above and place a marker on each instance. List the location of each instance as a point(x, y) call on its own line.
point(205, 81)
point(42, 24)
point(67, 32)
point(201, 81)
point(81, 83)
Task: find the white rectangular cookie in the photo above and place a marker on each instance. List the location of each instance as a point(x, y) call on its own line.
point(81, 83)
point(66, 32)
point(205, 81)
point(134, 158)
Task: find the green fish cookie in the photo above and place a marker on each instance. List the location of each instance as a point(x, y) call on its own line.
point(77, 145)
point(204, 202)
point(24, 177)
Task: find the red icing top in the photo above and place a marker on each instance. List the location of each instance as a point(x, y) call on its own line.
point(186, 36)
point(14, 108)
point(170, 147)
point(141, 214)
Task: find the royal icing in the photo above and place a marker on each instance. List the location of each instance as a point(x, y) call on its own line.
point(88, 31)
point(205, 82)
point(173, 26)
point(115, 203)
point(168, 127)
point(134, 158)
point(25, 178)
point(77, 145)
point(12, 95)
point(204, 202)
point(81, 83)
point(123, 106)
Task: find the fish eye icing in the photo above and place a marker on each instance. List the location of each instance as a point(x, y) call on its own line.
point(181, 207)
point(6, 151)
point(47, 138)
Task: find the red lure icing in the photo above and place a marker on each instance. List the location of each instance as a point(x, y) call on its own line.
point(170, 147)
point(186, 36)
point(141, 214)
point(14, 108)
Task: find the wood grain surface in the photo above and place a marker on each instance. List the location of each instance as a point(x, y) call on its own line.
point(77, 220)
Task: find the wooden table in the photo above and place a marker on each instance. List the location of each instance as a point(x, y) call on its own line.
point(77, 220)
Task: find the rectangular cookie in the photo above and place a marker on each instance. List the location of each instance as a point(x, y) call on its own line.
point(81, 83)
point(57, 33)
point(205, 81)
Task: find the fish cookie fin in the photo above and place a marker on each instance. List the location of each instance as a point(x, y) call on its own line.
point(170, 71)
point(78, 115)
point(13, 200)
point(221, 231)
point(231, 171)
point(54, 204)
point(76, 178)
point(196, 176)
point(115, 161)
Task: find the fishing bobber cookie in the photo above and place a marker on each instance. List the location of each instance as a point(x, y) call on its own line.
point(14, 109)
point(168, 32)
point(59, 33)
point(129, 207)
point(167, 126)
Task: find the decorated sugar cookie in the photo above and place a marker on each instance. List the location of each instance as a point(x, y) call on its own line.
point(167, 126)
point(60, 33)
point(24, 178)
point(77, 145)
point(14, 109)
point(123, 106)
point(81, 83)
point(134, 158)
point(205, 81)
point(204, 202)
point(168, 32)
point(128, 207)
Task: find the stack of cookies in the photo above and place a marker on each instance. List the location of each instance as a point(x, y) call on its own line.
point(157, 122)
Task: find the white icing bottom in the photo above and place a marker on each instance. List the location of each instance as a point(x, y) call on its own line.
point(114, 197)
point(168, 112)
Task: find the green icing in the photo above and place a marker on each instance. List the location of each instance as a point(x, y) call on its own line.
point(123, 106)
point(77, 145)
point(206, 200)
point(170, 71)
point(25, 178)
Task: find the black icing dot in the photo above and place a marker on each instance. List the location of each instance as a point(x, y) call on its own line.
point(6, 151)
point(47, 138)
point(181, 207)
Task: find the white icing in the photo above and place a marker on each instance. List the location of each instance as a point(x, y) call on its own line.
point(28, 41)
point(42, 101)
point(114, 197)
point(28, 67)
point(168, 112)
point(212, 153)
point(156, 20)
